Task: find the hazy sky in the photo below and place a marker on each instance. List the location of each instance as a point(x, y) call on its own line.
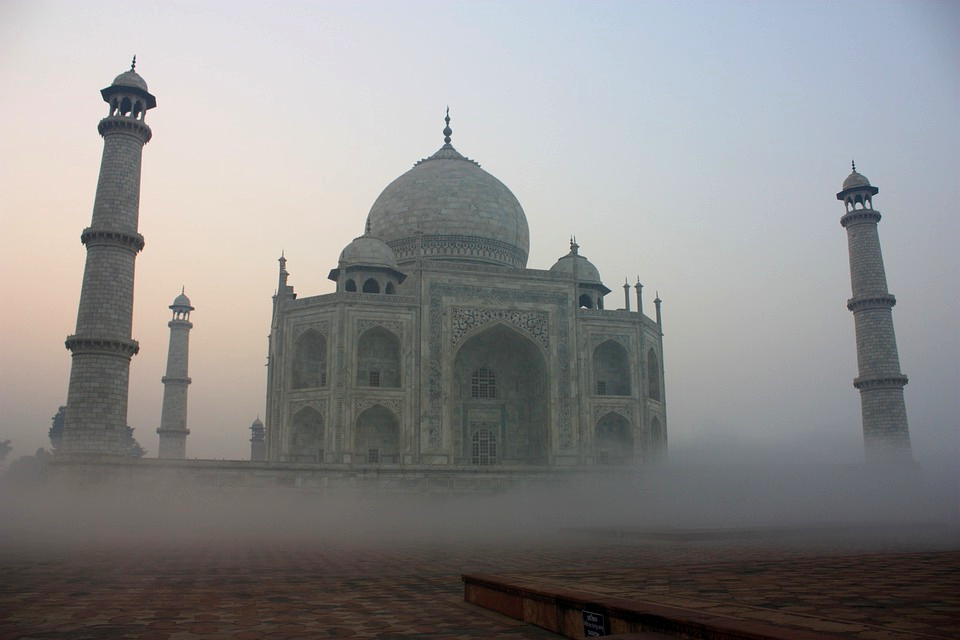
point(698, 146)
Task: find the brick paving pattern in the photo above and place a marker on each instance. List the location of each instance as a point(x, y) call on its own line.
point(248, 589)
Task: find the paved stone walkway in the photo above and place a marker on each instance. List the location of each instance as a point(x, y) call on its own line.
point(249, 589)
point(879, 596)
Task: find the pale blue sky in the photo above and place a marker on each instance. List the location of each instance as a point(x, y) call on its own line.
point(697, 145)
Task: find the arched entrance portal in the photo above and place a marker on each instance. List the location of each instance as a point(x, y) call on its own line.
point(614, 440)
point(500, 407)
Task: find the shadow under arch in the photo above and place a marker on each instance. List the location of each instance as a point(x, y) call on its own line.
point(307, 436)
point(513, 419)
point(378, 358)
point(377, 436)
point(309, 361)
point(613, 439)
point(611, 369)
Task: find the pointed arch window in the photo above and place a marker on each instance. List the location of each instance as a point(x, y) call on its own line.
point(483, 384)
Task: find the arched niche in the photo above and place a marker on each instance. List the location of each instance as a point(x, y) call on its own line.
point(377, 436)
point(653, 375)
point(613, 440)
point(611, 369)
point(307, 436)
point(658, 444)
point(371, 285)
point(378, 359)
point(309, 361)
point(500, 392)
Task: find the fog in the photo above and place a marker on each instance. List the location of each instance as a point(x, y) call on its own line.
point(855, 504)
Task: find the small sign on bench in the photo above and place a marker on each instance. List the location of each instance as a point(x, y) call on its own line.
point(593, 625)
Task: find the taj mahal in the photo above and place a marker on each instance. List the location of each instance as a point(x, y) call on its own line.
point(440, 348)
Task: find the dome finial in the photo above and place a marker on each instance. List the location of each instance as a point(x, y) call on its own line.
point(447, 131)
point(366, 230)
point(133, 63)
point(853, 165)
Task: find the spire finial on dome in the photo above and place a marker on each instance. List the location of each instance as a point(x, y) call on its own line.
point(574, 247)
point(366, 230)
point(133, 63)
point(183, 290)
point(853, 165)
point(447, 131)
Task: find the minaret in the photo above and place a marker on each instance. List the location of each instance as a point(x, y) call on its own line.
point(258, 444)
point(96, 418)
point(885, 434)
point(173, 418)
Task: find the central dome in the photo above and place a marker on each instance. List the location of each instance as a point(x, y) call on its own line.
point(447, 208)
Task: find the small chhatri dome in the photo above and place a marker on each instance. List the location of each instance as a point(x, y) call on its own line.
point(855, 182)
point(131, 78)
point(130, 81)
point(181, 301)
point(855, 179)
point(368, 251)
point(585, 270)
point(257, 424)
point(447, 208)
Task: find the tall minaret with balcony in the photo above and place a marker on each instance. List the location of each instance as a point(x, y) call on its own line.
point(96, 417)
point(880, 382)
point(173, 418)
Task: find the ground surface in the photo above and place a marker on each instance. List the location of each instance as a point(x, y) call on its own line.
point(268, 588)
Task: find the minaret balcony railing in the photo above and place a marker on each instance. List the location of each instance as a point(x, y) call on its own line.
point(105, 346)
point(864, 383)
point(884, 301)
point(125, 124)
point(173, 431)
point(175, 380)
point(132, 241)
point(860, 216)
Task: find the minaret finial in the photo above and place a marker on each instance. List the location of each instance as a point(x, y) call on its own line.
point(133, 63)
point(183, 290)
point(853, 165)
point(447, 131)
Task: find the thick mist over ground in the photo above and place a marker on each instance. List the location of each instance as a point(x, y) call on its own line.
point(670, 498)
